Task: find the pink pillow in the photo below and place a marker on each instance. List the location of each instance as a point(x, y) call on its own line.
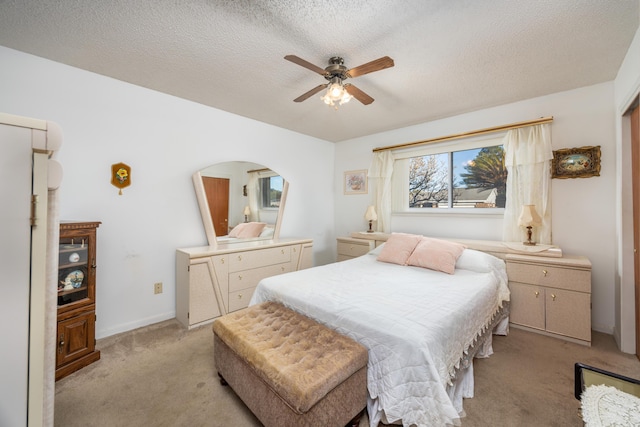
point(235, 232)
point(251, 229)
point(436, 254)
point(398, 248)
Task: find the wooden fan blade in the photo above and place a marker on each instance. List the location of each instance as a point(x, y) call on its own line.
point(305, 64)
point(370, 67)
point(310, 93)
point(358, 94)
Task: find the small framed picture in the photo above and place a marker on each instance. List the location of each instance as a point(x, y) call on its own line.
point(582, 162)
point(355, 182)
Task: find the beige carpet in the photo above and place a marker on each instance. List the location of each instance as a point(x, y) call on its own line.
point(163, 375)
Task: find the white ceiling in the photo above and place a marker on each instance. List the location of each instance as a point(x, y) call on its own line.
point(451, 56)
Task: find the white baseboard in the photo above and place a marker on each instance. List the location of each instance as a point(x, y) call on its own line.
point(125, 327)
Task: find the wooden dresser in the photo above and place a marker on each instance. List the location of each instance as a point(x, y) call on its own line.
point(551, 295)
point(213, 281)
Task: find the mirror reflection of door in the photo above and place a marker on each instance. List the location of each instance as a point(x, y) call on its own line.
point(217, 190)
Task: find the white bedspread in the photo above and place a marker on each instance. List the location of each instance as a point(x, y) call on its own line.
point(416, 323)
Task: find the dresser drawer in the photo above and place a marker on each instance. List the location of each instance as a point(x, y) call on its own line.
point(352, 249)
point(550, 276)
point(240, 299)
point(259, 258)
point(249, 278)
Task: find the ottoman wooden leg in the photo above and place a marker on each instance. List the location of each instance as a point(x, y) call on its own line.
point(355, 422)
point(222, 380)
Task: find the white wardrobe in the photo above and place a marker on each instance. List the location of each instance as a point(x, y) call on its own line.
point(29, 235)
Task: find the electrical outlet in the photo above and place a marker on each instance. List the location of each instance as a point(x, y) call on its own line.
point(157, 288)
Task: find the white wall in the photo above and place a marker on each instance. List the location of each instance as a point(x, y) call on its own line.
point(626, 89)
point(164, 139)
point(584, 210)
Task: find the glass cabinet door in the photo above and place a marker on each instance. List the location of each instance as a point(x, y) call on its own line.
point(74, 268)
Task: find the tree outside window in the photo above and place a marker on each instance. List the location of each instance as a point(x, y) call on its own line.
point(482, 184)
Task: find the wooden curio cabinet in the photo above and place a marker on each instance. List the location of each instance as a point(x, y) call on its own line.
point(76, 343)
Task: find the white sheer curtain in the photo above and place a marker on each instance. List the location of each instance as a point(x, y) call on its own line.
point(380, 177)
point(528, 155)
point(253, 191)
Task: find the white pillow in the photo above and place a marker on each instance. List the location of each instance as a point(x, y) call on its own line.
point(267, 232)
point(480, 262)
point(376, 251)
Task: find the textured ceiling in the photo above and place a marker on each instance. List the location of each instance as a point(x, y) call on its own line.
point(451, 56)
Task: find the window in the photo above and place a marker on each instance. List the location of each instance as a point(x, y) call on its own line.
point(270, 191)
point(455, 175)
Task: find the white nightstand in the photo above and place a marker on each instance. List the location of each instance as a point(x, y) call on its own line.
point(349, 247)
point(551, 295)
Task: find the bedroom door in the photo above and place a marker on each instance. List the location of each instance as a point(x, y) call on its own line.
point(15, 187)
point(23, 264)
point(635, 170)
point(217, 190)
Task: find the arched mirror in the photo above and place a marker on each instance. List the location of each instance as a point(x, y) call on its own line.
point(240, 201)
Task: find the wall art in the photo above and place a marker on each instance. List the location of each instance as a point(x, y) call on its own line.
point(355, 182)
point(582, 162)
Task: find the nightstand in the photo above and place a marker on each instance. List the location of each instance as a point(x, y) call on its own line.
point(551, 295)
point(349, 247)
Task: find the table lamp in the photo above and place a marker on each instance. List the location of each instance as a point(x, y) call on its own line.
point(528, 218)
point(246, 213)
point(370, 216)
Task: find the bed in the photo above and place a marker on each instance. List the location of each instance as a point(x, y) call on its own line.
point(422, 327)
point(248, 231)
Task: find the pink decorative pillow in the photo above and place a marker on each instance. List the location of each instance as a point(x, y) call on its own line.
point(436, 254)
point(235, 232)
point(252, 229)
point(398, 248)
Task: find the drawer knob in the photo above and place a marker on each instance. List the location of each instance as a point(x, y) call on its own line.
point(537, 294)
point(553, 297)
point(294, 249)
point(282, 268)
point(544, 272)
point(239, 276)
point(239, 296)
point(221, 260)
point(282, 251)
point(239, 257)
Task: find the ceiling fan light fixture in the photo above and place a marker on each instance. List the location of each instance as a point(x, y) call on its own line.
point(336, 94)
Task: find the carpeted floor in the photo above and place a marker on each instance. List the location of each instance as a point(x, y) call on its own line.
point(163, 375)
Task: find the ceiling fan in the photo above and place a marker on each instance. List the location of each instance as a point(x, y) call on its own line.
point(336, 73)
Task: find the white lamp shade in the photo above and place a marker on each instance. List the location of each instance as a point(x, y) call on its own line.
point(246, 211)
point(371, 215)
point(529, 216)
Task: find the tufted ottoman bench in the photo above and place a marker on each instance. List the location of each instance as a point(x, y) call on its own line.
point(289, 369)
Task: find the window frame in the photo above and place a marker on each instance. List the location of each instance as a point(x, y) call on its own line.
point(400, 176)
point(261, 196)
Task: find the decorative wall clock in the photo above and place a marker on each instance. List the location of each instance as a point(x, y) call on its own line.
point(120, 176)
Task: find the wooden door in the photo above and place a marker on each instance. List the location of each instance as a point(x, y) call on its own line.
point(635, 170)
point(217, 190)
